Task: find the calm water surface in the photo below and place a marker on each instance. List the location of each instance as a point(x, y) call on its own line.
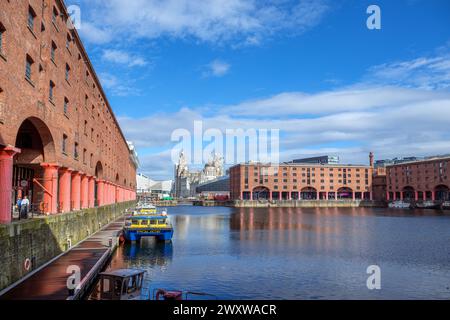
point(298, 253)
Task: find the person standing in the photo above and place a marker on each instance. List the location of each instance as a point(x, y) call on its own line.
point(19, 204)
point(24, 206)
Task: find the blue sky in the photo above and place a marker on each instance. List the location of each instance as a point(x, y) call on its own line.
point(309, 68)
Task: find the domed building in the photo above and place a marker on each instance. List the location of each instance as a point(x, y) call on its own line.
point(186, 181)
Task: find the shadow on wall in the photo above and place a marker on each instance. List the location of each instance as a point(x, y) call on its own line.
point(27, 245)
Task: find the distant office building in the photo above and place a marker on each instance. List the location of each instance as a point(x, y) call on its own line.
point(388, 162)
point(143, 183)
point(318, 160)
point(216, 187)
point(147, 185)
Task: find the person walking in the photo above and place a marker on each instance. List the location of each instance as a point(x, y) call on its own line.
point(24, 207)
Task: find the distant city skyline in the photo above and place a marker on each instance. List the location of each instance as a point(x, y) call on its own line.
point(309, 68)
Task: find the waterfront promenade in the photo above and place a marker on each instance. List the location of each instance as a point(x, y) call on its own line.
point(49, 282)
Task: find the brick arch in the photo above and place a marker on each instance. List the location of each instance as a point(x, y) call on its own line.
point(344, 193)
point(99, 170)
point(442, 192)
point(261, 193)
point(409, 193)
point(44, 140)
point(309, 193)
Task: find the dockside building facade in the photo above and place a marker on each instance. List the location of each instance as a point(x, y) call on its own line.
point(60, 143)
point(427, 179)
point(301, 181)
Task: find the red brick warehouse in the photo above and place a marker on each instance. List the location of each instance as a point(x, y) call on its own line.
point(60, 143)
point(422, 180)
point(301, 181)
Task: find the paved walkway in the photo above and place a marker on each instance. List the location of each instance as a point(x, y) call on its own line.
point(50, 281)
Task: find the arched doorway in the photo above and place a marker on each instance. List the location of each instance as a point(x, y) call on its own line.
point(409, 194)
point(261, 193)
point(37, 147)
point(442, 193)
point(308, 193)
point(345, 193)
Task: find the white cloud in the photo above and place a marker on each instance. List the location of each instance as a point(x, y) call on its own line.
point(117, 87)
point(95, 34)
point(121, 57)
point(217, 68)
point(356, 98)
point(403, 110)
point(216, 21)
point(401, 122)
point(424, 72)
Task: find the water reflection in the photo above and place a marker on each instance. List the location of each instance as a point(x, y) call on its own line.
point(296, 253)
point(144, 254)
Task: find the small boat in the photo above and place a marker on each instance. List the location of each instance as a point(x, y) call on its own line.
point(127, 284)
point(145, 209)
point(144, 224)
point(120, 284)
point(428, 205)
point(446, 205)
point(167, 295)
point(400, 205)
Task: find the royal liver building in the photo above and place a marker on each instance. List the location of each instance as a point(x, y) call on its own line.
point(185, 181)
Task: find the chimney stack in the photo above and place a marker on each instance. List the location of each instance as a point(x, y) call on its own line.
point(371, 159)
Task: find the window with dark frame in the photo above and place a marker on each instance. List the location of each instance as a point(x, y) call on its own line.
point(53, 52)
point(67, 72)
point(28, 67)
point(64, 144)
point(75, 150)
point(31, 17)
point(51, 91)
point(54, 14)
point(2, 38)
point(66, 106)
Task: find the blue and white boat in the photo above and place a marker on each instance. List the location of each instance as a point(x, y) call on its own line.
point(145, 224)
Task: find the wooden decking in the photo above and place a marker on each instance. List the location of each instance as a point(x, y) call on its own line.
point(50, 281)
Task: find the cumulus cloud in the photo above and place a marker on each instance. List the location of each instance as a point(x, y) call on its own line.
point(399, 122)
point(408, 116)
point(216, 21)
point(124, 58)
point(217, 68)
point(354, 98)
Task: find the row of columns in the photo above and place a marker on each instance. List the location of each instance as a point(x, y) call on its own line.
point(317, 196)
point(416, 196)
point(74, 190)
point(109, 193)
